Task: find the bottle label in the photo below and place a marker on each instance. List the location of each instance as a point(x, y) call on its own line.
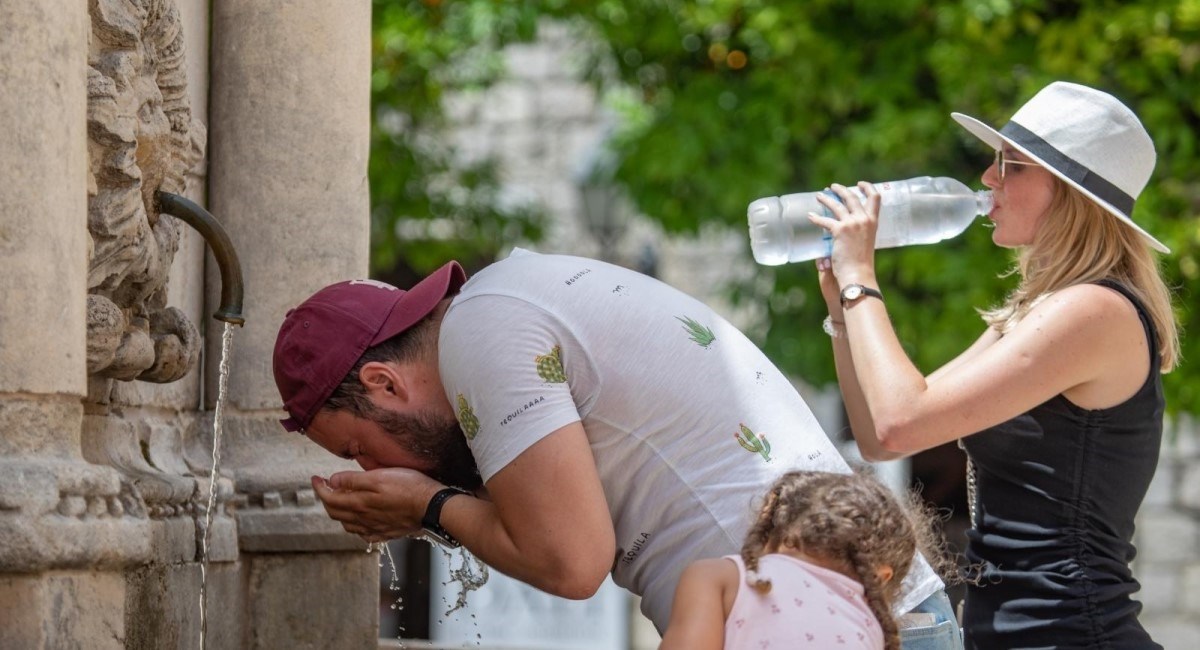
point(826, 236)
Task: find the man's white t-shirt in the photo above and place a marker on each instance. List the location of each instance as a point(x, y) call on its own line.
point(688, 421)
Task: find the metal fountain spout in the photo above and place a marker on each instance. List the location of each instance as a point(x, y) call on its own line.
point(230, 310)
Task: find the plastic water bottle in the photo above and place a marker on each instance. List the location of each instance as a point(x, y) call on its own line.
point(920, 210)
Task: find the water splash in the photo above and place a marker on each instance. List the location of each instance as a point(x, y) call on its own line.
point(218, 419)
point(471, 574)
point(385, 552)
point(394, 582)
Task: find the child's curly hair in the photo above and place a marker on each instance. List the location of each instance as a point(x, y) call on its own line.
point(850, 519)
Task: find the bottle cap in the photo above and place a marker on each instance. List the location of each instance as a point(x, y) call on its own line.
point(984, 202)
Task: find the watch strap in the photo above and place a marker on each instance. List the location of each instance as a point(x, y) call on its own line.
point(866, 291)
point(432, 521)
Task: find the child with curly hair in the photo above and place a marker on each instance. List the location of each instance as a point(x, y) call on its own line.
point(819, 568)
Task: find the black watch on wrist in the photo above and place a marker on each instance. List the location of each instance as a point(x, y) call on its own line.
point(852, 292)
point(431, 522)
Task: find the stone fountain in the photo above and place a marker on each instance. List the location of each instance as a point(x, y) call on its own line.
point(107, 360)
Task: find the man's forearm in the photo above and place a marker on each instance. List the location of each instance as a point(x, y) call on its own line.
point(540, 560)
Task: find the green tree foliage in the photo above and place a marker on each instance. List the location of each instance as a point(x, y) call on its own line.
point(736, 99)
point(422, 51)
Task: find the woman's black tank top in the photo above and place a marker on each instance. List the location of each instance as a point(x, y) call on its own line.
point(1057, 489)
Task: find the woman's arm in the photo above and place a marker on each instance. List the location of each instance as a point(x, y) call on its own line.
point(862, 427)
point(1080, 336)
point(1077, 336)
point(988, 337)
point(703, 599)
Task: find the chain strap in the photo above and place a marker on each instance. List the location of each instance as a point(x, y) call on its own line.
point(970, 484)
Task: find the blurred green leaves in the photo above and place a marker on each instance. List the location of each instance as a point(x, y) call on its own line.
point(426, 205)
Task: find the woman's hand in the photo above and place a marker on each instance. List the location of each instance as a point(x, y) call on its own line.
point(853, 232)
point(829, 288)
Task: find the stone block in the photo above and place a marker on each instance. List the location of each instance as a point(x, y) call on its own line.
point(1172, 632)
point(573, 149)
point(164, 607)
point(46, 611)
point(292, 530)
point(173, 539)
point(515, 147)
point(508, 102)
point(66, 515)
point(1190, 591)
point(1189, 486)
point(30, 488)
point(182, 394)
point(472, 144)
point(1181, 437)
point(531, 61)
point(229, 615)
point(1160, 588)
point(1167, 537)
point(557, 36)
point(340, 608)
point(462, 108)
point(1161, 494)
point(567, 102)
point(45, 426)
point(223, 540)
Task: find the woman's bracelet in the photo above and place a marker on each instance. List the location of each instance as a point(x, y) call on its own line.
point(834, 328)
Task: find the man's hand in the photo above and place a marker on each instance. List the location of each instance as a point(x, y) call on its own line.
point(377, 505)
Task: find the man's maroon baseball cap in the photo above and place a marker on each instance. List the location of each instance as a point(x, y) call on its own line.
point(321, 340)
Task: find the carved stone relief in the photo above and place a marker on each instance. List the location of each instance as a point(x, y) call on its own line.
point(141, 138)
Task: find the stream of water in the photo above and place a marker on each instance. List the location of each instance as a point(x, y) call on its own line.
point(213, 475)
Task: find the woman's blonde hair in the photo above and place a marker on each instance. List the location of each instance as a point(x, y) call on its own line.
point(1078, 243)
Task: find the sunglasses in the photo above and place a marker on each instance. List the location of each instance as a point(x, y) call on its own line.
point(1001, 162)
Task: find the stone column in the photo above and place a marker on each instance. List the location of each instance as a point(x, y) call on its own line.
point(60, 513)
point(43, 202)
point(289, 137)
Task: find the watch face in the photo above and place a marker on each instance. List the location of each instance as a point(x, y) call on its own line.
point(852, 292)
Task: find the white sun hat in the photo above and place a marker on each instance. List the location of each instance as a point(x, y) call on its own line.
point(1086, 137)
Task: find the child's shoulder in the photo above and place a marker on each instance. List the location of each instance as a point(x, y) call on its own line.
point(717, 564)
point(716, 569)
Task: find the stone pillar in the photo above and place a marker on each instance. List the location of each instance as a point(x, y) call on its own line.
point(43, 204)
point(289, 137)
point(60, 513)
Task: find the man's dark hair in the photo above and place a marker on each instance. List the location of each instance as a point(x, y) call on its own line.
point(412, 344)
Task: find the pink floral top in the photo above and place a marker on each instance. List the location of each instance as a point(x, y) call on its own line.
point(807, 607)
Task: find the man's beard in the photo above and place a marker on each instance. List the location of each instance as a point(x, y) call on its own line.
point(437, 440)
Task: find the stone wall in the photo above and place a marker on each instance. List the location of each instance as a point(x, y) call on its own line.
point(108, 354)
point(1168, 541)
